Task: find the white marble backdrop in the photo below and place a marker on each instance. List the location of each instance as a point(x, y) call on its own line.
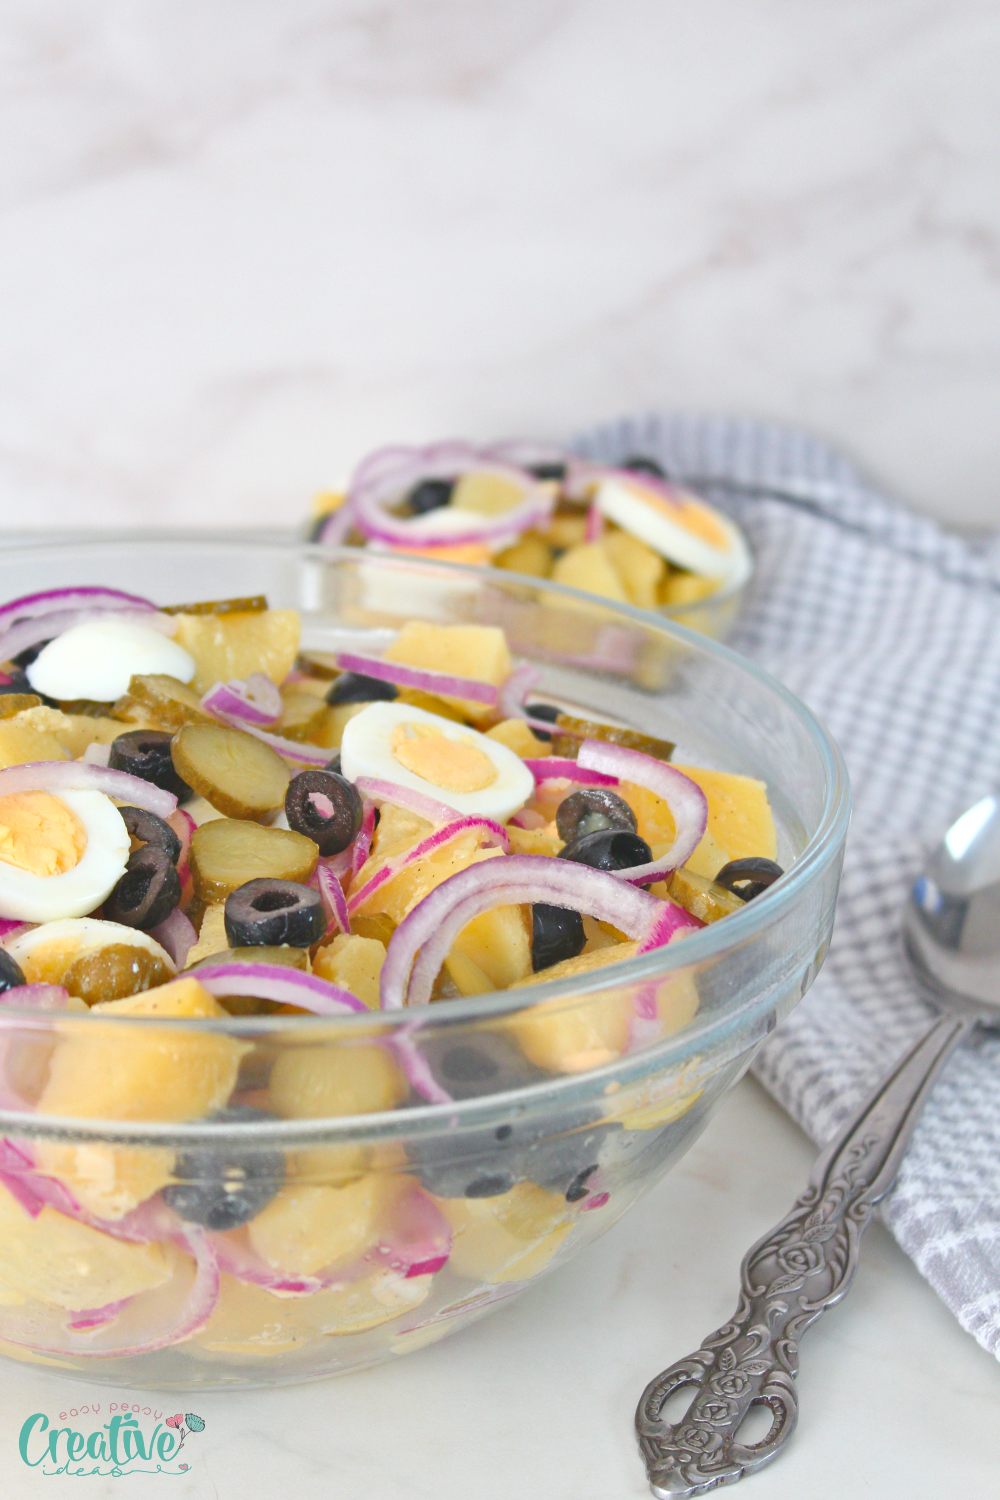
point(241, 240)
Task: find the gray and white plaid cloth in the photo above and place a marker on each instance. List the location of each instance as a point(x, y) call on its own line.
point(889, 628)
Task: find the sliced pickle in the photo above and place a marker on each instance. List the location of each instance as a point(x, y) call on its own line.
point(576, 730)
point(430, 702)
point(162, 702)
point(379, 925)
point(241, 776)
point(318, 664)
point(302, 715)
point(251, 604)
point(704, 899)
point(114, 972)
point(13, 703)
point(228, 852)
point(248, 1005)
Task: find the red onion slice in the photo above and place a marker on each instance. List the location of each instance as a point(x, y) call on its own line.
point(294, 750)
point(10, 927)
point(276, 982)
point(27, 633)
point(421, 942)
point(152, 1320)
point(586, 476)
point(334, 527)
point(371, 500)
point(362, 846)
point(29, 606)
point(331, 892)
point(493, 833)
point(404, 796)
point(177, 935)
point(76, 776)
point(236, 1258)
point(685, 798)
point(255, 701)
point(97, 1317)
point(560, 768)
point(417, 1070)
point(403, 676)
point(594, 528)
point(418, 1240)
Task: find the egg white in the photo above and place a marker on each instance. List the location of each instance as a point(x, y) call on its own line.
point(731, 564)
point(83, 935)
point(27, 897)
point(98, 659)
point(366, 750)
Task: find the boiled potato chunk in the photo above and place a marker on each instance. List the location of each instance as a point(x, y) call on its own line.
point(21, 742)
point(740, 821)
point(353, 962)
point(233, 645)
point(475, 651)
point(588, 567)
point(68, 1264)
point(511, 1237)
point(156, 1072)
point(251, 1322)
point(638, 566)
point(516, 735)
point(340, 1079)
point(306, 1228)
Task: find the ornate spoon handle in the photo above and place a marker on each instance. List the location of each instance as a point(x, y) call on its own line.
point(792, 1275)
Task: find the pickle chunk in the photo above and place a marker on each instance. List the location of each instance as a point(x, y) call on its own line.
point(228, 852)
point(162, 702)
point(241, 776)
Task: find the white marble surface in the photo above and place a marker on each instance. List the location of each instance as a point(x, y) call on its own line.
point(242, 241)
point(537, 1401)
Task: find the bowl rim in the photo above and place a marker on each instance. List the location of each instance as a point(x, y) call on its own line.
point(710, 942)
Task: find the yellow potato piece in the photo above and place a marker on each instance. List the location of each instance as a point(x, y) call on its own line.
point(339, 1079)
point(163, 1072)
point(740, 820)
point(511, 1237)
point(60, 1261)
point(638, 566)
point(515, 734)
point(21, 742)
point(353, 962)
point(531, 554)
point(234, 645)
point(306, 1229)
point(588, 567)
point(475, 651)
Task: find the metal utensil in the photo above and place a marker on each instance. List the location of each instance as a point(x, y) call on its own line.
point(806, 1263)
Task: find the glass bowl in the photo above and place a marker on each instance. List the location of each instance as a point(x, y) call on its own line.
point(394, 1221)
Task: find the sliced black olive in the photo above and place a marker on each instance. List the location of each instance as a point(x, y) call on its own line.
point(147, 893)
point(428, 495)
point(11, 974)
point(640, 464)
point(356, 687)
point(223, 1188)
point(151, 831)
point(268, 912)
point(749, 877)
point(326, 807)
point(593, 809)
point(546, 711)
point(556, 934)
point(611, 849)
point(146, 753)
point(547, 471)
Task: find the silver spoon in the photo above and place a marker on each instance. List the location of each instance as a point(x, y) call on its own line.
point(805, 1264)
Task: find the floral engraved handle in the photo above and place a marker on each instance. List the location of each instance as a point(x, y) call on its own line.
point(791, 1276)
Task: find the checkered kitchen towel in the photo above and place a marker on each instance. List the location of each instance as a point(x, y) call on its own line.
point(889, 628)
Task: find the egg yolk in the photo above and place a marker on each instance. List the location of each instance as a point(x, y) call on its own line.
point(455, 765)
point(40, 834)
point(693, 516)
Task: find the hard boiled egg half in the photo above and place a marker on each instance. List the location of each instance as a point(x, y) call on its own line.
point(46, 953)
point(447, 761)
point(680, 527)
point(98, 659)
point(60, 856)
